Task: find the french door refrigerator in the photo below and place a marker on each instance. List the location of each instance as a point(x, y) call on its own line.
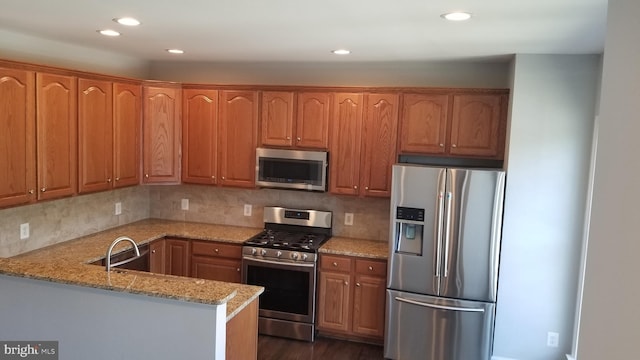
point(443, 262)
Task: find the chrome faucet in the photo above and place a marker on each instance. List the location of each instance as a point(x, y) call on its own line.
point(114, 243)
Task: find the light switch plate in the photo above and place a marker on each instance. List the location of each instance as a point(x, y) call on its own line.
point(247, 209)
point(24, 231)
point(348, 219)
point(118, 209)
point(185, 204)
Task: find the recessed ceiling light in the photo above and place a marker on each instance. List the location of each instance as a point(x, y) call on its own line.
point(342, 52)
point(128, 21)
point(456, 16)
point(175, 51)
point(108, 32)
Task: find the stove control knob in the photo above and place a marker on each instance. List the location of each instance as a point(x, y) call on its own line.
point(295, 256)
point(263, 252)
point(279, 253)
point(253, 251)
point(304, 256)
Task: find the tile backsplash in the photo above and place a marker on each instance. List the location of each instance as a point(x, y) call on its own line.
point(55, 221)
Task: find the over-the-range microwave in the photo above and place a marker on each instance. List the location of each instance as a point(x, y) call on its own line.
point(291, 169)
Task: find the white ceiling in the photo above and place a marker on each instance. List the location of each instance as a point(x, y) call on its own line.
point(306, 31)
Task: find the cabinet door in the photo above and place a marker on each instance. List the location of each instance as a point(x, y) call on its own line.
point(345, 144)
point(334, 301)
point(95, 135)
point(369, 306)
point(238, 138)
point(200, 136)
point(277, 118)
point(126, 134)
point(423, 125)
point(161, 160)
point(56, 123)
point(475, 125)
point(312, 120)
point(157, 257)
point(379, 143)
point(221, 269)
point(17, 137)
point(177, 257)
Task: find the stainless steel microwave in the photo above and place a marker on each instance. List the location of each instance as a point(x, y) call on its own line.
point(291, 169)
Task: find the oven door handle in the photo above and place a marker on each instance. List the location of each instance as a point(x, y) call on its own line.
point(283, 263)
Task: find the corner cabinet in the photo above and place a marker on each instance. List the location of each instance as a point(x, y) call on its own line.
point(238, 137)
point(351, 297)
point(17, 138)
point(199, 136)
point(161, 124)
point(56, 124)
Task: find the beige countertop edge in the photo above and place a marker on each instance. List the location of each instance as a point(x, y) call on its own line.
point(373, 249)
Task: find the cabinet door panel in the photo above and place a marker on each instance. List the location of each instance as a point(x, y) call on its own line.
point(17, 137)
point(369, 306)
point(312, 120)
point(238, 138)
point(95, 137)
point(161, 134)
point(219, 269)
point(423, 125)
point(345, 144)
point(56, 122)
point(379, 143)
point(475, 125)
point(157, 257)
point(334, 301)
point(200, 136)
point(277, 118)
point(126, 134)
point(177, 257)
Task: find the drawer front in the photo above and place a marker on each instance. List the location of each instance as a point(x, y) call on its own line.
point(335, 263)
point(371, 267)
point(209, 248)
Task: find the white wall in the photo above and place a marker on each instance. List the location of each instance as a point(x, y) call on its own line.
point(610, 321)
point(550, 132)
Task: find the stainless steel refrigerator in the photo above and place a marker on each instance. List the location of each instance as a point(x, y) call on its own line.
point(443, 262)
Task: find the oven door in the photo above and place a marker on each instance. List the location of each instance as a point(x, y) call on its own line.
point(289, 288)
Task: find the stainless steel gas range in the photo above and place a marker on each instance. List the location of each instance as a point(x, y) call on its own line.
point(283, 260)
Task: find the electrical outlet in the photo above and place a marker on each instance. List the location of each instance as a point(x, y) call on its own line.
point(348, 219)
point(247, 209)
point(24, 231)
point(552, 339)
point(185, 204)
point(118, 210)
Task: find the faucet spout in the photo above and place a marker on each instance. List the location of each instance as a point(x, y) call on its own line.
point(114, 243)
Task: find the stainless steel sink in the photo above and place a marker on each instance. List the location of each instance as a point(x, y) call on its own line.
point(128, 260)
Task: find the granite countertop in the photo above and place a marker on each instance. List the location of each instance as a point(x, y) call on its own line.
point(68, 263)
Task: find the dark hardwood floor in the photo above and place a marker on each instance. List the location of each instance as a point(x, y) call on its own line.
point(275, 348)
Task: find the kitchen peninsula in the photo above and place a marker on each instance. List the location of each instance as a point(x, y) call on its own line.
point(98, 314)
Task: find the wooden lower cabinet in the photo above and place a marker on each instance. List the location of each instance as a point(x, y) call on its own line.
point(156, 257)
point(216, 261)
point(351, 297)
point(177, 256)
point(242, 334)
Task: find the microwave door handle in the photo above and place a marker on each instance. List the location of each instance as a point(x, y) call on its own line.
point(440, 307)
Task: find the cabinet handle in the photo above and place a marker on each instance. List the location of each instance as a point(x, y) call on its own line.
point(370, 268)
point(223, 178)
point(31, 191)
point(43, 189)
point(213, 177)
point(358, 284)
point(346, 283)
point(217, 251)
point(355, 187)
point(109, 180)
point(288, 137)
point(366, 188)
point(441, 145)
point(298, 139)
point(454, 145)
point(153, 251)
point(117, 179)
point(335, 264)
point(238, 269)
point(146, 175)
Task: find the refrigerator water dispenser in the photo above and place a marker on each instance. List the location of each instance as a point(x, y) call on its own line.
point(409, 230)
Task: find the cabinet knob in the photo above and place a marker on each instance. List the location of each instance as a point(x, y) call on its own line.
point(217, 251)
point(454, 145)
point(238, 269)
point(346, 283)
point(153, 251)
point(358, 284)
point(43, 189)
point(288, 137)
point(355, 187)
point(441, 145)
point(335, 264)
point(146, 175)
point(213, 177)
point(109, 180)
point(366, 188)
point(298, 139)
point(117, 179)
point(223, 178)
point(31, 191)
point(370, 268)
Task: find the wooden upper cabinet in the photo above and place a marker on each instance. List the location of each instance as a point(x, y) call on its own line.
point(423, 125)
point(161, 144)
point(17, 137)
point(379, 143)
point(200, 136)
point(238, 137)
point(312, 120)
point(95, 135)
point(277, 118)
point(56, 123)
point(345, 143)
point(127, 118)
point(476, 125)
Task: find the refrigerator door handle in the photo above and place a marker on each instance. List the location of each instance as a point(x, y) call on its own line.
point(439, 233)
point(447, 234)
point(441, 307)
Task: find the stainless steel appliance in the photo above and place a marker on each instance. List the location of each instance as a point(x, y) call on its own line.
point(291, 169)
point(443, 262)
point(283, 260)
